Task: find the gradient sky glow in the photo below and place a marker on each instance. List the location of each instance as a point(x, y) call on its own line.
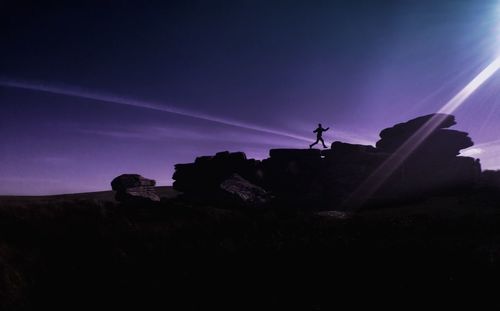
point(95, 89)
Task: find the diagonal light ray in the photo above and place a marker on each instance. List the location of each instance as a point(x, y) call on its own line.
point(73, 92)
point(394, 161)
point(470, 88)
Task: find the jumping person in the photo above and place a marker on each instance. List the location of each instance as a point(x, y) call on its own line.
point(319, 136)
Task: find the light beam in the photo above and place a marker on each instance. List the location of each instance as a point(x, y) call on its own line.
point(73, 92)
point(394, 161)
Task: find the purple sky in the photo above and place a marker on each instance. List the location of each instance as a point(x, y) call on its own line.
point(89, 90)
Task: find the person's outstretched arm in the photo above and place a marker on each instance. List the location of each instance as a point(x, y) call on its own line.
point(327, 129)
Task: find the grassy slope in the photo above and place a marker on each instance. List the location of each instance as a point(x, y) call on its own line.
point(104, 196)
point(78, 251)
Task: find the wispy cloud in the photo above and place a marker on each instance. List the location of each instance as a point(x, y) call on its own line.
point(472, 152)
point(53, 160)
point(18, 179)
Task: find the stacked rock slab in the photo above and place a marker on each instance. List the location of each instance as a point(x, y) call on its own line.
point(434, 164)
point(134, 188)
point(440, 144)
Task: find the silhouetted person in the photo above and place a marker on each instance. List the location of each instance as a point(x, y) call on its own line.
point(319, 136)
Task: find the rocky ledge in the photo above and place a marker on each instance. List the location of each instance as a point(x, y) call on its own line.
point(330, 176)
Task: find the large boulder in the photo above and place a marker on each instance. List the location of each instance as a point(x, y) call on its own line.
point(127, 181)
point(134, 188)
point(294, 173)
point(346, 166)
point(205, 175)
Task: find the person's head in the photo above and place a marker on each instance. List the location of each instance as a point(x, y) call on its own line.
point(319, 124)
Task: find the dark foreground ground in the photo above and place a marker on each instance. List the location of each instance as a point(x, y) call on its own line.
point(86, 251)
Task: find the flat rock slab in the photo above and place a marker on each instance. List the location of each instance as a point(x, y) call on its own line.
point(294, 153)
point(245, 191)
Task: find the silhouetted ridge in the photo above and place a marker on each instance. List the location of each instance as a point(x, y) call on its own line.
point(328, 176)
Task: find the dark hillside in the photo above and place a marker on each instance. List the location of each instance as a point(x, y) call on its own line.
point(83, 254)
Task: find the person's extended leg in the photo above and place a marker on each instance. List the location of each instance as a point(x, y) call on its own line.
point(323, 142)
point(311, 145)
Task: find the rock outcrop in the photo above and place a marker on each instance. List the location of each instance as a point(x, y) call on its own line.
point(440, 143)
point(434, 163)
point(329, 176)
point(134, 188)
point(205, 175)
point(393, 137)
